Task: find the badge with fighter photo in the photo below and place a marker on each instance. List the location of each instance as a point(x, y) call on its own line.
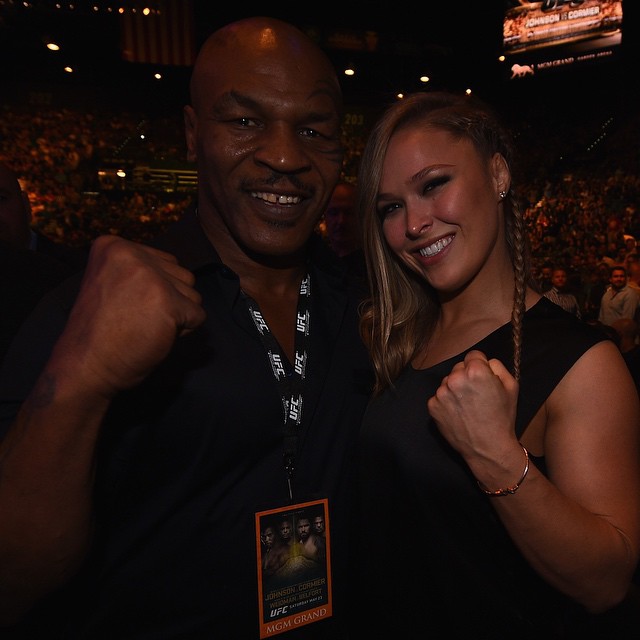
point(293, 557)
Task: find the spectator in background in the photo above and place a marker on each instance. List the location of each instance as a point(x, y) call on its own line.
point(15, 212)
point(629, 334)
point(632, 264)
point(15, 223)
point(558, 294)
point(596, 283)
point(619, 300)
point(630, 247)
point(342, 220)
point(627, 329)
point(343, 232)
point(25, 275)
point(543, 281)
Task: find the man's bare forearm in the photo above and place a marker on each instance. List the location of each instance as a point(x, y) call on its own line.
point(46, 478)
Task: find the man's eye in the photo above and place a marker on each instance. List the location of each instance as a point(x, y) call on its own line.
point(247, 122)
point(310, 133)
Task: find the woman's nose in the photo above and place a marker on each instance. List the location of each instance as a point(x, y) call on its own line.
point(417, 224)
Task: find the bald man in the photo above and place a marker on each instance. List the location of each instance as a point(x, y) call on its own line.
point(196, 383)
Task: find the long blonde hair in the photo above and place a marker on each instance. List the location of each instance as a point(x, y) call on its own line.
point(402, 308)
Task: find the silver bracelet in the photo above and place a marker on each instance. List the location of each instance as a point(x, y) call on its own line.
point(515, 487)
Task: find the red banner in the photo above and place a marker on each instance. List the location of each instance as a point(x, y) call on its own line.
point(165, 36)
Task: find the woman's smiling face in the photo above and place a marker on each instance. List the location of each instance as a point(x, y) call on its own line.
point(439, 205)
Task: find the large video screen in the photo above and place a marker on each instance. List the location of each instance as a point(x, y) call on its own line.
point(555, 33)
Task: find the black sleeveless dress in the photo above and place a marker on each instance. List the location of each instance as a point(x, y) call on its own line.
point(432, 558)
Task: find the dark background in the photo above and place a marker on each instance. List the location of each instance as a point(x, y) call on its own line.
point(577, 127)
point(456, 43)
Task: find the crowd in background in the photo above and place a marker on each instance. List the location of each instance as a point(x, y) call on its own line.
point(58, 154)
point(580, 188)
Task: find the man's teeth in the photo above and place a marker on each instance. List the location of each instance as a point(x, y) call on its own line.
point(275, 199)
point(436, 247)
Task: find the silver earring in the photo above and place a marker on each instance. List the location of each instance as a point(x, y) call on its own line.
point(502, 194)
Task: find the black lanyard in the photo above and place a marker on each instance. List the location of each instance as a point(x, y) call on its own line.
point(289, 376)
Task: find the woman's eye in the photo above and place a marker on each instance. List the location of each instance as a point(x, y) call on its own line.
point(386, 210)
point(435, 183)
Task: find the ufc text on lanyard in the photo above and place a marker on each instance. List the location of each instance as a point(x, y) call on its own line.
point(290, 380)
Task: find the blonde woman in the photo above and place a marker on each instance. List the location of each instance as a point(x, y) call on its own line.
point(499, 455)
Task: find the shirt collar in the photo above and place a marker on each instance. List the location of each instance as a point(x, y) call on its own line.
point(187, 241)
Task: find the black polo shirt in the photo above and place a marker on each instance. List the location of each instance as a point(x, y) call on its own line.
point(187, 459)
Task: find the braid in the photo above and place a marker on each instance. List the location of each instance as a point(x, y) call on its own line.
point(521, 270)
